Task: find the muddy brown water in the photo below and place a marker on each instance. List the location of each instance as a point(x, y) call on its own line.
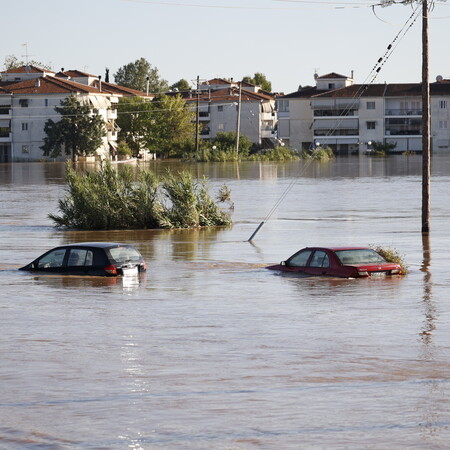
point(211, 350)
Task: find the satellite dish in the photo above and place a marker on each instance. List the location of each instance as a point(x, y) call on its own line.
point(439, 78)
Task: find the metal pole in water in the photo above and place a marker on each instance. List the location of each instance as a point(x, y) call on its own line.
point(256, 231)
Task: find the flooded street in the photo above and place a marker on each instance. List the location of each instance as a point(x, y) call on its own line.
point(209, 350)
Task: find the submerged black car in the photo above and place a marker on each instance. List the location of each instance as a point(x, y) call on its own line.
point(90, 258)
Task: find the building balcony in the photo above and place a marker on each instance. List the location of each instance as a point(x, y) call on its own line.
point(268, 116)
point(5, 112)
point(111, 114)
point(5, 137)
point(398, 131)
point(335, 112)
point(268, 133)
point(403, 112)
point(336, 132)
point(112, 135)
point(204, 116)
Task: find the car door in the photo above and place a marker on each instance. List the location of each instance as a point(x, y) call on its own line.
point(319, 263)
point(79, 261)
point(52, 261)
point(298, 262)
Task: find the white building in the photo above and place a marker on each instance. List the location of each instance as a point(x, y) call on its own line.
point(219, 102)
point(28, 97)
point(352, 117)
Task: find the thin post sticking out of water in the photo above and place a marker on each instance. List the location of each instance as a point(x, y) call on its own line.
point(256, 231)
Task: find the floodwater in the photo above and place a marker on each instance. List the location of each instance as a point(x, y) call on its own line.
point(210, 350)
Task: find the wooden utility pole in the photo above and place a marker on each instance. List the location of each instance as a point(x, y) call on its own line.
point(197, 121)
point(425, 122)
point(238, 121)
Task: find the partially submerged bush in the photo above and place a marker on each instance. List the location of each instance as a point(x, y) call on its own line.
point(320, 153)
point(110, 199)
point(392, 255)
point(280, 153)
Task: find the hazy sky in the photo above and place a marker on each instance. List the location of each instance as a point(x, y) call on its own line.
point(285, 40)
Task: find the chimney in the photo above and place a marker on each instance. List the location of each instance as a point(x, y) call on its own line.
point(37, 83)
point(100, 83)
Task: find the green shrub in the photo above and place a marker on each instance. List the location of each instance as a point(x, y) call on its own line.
point(280, 153)
point(392, 255)
point(320, 153)
point(109, 199)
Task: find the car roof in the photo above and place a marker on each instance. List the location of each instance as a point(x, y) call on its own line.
point(97, 244)
point(335, 249)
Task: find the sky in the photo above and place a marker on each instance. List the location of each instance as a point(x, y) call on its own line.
point(287, 40)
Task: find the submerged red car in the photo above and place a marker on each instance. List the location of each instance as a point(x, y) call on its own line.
point(344, 262)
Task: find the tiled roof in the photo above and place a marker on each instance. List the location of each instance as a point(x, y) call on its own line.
point(120, 90)
point(50, 85)
point(219, 81)
point(229, 95)
point(331, 75)
point(27, 69)
point(303, 93)
point(386, 90)
point(77, 74)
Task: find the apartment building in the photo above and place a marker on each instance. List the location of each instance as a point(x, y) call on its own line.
point(220, 101)
point(351, 118)
point(28, 97)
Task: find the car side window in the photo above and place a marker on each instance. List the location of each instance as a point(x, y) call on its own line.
point(300, 259)
point(320, 259)
point(80, 257)
point(53, 259)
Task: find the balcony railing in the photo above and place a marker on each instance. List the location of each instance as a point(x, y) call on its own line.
point(335, 112)
point(403, 112)
point(336, 132)
point(403, 131)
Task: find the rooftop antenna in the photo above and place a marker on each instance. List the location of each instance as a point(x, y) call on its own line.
point(26, 53)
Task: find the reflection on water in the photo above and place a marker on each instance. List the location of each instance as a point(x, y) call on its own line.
point(209, 349)
point(348, 167)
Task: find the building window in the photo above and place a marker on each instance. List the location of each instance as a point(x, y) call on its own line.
point(443, 124)
point(283, 105)
point(46, 102)
point(25, 149)
point(442, 104)
point(370, 105)
point(371, 125)
point(23, 102)
point(220, 108)
point(331, 85)
point(220, 127)
point(24, 126)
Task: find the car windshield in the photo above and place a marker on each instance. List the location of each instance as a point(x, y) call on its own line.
point(359, 256)
point(124, 254)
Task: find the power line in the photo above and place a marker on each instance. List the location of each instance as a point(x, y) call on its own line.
point(373, 73)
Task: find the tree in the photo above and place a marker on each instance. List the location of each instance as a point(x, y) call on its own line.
point(226, 141)
point(259, 79)
point(181, 85)
point(79, 132)
point(173, 124)
point(163, 125)
point(136, 74)
point(12, 62)
point(134, 118)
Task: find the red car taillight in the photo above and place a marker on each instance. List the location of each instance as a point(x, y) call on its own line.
point(112, 269)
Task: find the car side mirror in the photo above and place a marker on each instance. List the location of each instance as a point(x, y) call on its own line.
point(282, 263)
